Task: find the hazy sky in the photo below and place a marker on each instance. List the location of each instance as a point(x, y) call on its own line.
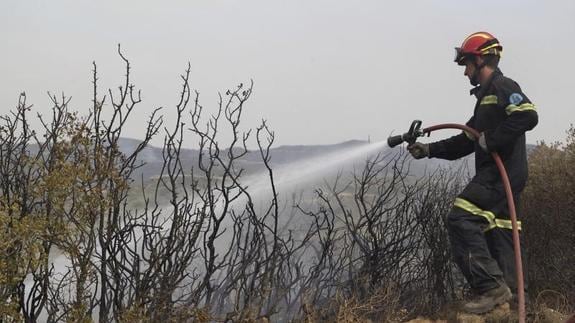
point(323, 71)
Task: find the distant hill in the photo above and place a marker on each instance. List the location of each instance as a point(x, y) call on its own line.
point(152, 156)
point(305, 156)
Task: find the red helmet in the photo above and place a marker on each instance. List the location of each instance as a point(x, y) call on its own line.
point(479, 43)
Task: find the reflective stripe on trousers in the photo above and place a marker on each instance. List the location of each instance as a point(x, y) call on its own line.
point(494, 222)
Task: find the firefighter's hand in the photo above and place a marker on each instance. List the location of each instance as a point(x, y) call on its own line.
point(418, 150)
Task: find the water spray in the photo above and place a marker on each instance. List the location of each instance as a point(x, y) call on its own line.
point(411, 136)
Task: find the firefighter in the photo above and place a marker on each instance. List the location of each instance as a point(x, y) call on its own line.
point(479, 225)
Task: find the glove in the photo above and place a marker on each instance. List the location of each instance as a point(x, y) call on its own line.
point(482, 143)
point(418, 150)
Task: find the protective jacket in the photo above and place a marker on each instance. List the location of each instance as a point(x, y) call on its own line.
point(503, 113)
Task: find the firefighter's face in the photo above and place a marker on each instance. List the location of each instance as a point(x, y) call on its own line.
point(471, 70)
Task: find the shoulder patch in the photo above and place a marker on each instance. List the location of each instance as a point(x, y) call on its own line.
point(515, 98)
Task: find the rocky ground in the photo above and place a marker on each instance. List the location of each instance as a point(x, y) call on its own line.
point(501, 314)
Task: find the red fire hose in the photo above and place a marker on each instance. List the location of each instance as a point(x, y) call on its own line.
point(511, 205)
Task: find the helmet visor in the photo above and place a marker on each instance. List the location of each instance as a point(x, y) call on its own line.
point(459, 56)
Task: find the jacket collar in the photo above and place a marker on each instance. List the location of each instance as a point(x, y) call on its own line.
point(479, 91)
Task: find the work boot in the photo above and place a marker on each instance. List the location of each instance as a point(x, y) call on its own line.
point(488, 300)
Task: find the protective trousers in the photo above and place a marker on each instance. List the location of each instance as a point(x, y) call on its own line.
point(481, 238)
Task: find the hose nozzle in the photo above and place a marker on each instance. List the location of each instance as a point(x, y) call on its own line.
point(410, 136)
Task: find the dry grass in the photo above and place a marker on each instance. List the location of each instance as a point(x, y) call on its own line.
point(381, 306)
point(353, 311)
